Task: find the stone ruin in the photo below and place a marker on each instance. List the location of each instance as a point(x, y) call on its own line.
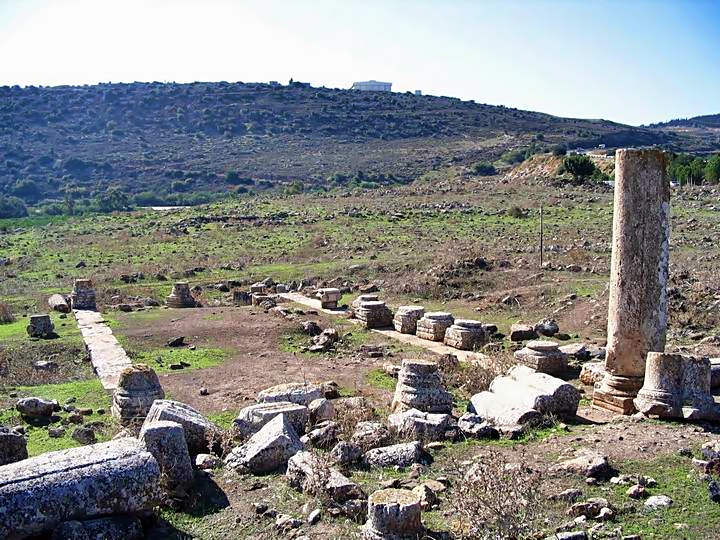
point(259, 298)
point(137, 389)
point(677, 386)
point(543, 355)
point(466, 335)
point(407, 317)
point(180, 296)
point(57, 302)
point(83, 295)
point(364, 298)
point(432, 326)
point(419, 387)
point(393, 514)
point(637, 307)
point(40, 326)
point(257, 288)
point(329, 297)
point(374, 314)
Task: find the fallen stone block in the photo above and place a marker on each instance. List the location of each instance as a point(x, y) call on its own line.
point(251, 419)
point(548, 395)
point(345, 453)
point(35, 407)
point(38, 494)
point(267, 450)
point(323, 435)
point(369, 434)
point(588, 463)
point(508, 417)
point(110, 528)
point(423, 426)
point(400, 455)
point(592, 373)
point(57, 302)
point(166, 442)
point(576, 350)
point(13, 446)
point(522, 332)
point(200, 433)
point(306, 472)
point(472, 425)
point(300, 393)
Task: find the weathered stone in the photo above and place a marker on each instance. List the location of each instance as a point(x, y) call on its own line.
point(324, 435)
point(329, 297)
point(576, 350)
point(83, 295)
point(36, 407)
point(508, 417)
point(323, 341)
point(522, 332)
point(543, 356)
point(251, 419)
point(257, 288)
point(345, 453)
point(110, 528)
point(84, 435)
point(364, 298)
point(547, 327)
point(432, 326)
point(300, 393)
point(369, 435)
point(137, 389)
point(472, 425)
point(267, 450)
point(590, 509)
point(40, 493)
point(428, 499)
point(40, 326)
point(406, 318)
point(714, 373)
point(321, 409)
point(393, 514)
point(637, 307)
point(311, 328)
point(419, 387)
point(57, 302)
point(306, 472)
point(400, 455)
point(422, 426)
point(200, 433)
point(592, 373)
point(466, 335)
point(677, 386)
point(205, 462)
point(658, 502)
point(13, 446)
point(166, 442)
point(180, 296)
point(241, 298)
point(374, 314)
point(588, 463)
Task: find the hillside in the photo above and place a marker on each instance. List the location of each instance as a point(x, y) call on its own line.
point(182, 139)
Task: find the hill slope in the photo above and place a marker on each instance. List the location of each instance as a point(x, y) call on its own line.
point(182, 138)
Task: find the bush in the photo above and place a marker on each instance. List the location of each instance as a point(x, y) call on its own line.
point(559, 150)
point(483, 168)
point(579, 166)
point(12, 207)
point(513, 156)
point(516, 212)
point(712, 169)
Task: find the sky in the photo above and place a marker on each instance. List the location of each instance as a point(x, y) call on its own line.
point(631, 61)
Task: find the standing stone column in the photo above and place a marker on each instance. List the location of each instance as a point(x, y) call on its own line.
point(637, 311)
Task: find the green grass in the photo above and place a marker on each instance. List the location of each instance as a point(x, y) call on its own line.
point(160, 359)
point(224, 419)
point(379, 379)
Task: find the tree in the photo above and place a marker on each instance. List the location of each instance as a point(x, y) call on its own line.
point(712, 169)
point(579, 166)
point(559, 150)
point(12, 207)
point(483, 168)
point(112, 200)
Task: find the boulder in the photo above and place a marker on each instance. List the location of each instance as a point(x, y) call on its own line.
point(547, 327)
point(472, 425)
point(200, 433)
point(522, 332)
point(36, 407)
point(165, 440)
point(422, 426)
point(57, 302)
point(589, 464)
point(300, 393)
point(370, 434)
point(324, 435)
point(104, 479)
point(306, 472)
point(251, 419)
point(13, 446)
point(345, 453)
point(397, 455)
point(267, 450)
point(320, 410)
point(110, 528)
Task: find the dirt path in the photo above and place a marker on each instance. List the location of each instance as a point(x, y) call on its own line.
point(255, 362)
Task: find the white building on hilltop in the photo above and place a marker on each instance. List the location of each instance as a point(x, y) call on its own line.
point(376, 86)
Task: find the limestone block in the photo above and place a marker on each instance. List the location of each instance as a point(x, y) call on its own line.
point(324, 435)
point(267, 450)
point(241, 298)
point(543, 356)
point(432, 326)
point(374, 314)
point(544, 393)
point(40, 326)
point(180, 296)
point(166, 442)
point(364, 298)
point(522, 332)
point(466, 335)
point(406, 318)
point(138, 387)
point(422, 426)
point(251, 419)
point(36, 407)
point(200, 433)
point(110, 528)
point(473, 425)
point(13, 446)
point(393, 514)
point(592, 373)
point(400, 455)
point(321, 409)
point(257, 288)
point(419, 387)
point(370, 434)
point(83, 295)
point(329, 297)
point(259, 298)
point(104, 479)
point(306, 472)
point(57, 302)
point(300, 393)
point(508, 417)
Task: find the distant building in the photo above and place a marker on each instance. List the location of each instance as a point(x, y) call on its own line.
point(418, 92)
point(372, 85)
point(274, 83)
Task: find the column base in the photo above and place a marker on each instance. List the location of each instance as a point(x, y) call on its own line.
point(616, 393)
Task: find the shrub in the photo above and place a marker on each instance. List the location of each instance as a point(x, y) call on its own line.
point(513, 156)
point(483, 168)
point(559, 150)
point(12, 207)
point(516, 212)
point(712, 169)
point(579, 166)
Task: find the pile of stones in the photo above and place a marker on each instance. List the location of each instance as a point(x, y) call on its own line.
point(374, 314)
point(407, 317)
point(83, 295)
point(466, 335)
point(543, 355)
point(180, 296)
point(432, 326)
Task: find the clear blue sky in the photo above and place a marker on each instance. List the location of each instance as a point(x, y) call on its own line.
point(629, 61)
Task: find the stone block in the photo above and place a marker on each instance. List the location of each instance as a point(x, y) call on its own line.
point(397, 455)
point(83, 295)
point(13, 446)
point(374, 314)
point(466, 335)
point(422, 426)
point(138, 388)
point(419, 387)
point(406, 318)
point(57, 302)
point(300, 393)
point(543, 356)
point(393, 514)
point(251, 419)
point(166, 442)
point(200, 433)
point(180, 296)
point(522, 332)
point(267, 450)
point(40, 326)
point(110, 528)
point(432, 326)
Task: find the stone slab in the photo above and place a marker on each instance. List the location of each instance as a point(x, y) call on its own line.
point(107, 356)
